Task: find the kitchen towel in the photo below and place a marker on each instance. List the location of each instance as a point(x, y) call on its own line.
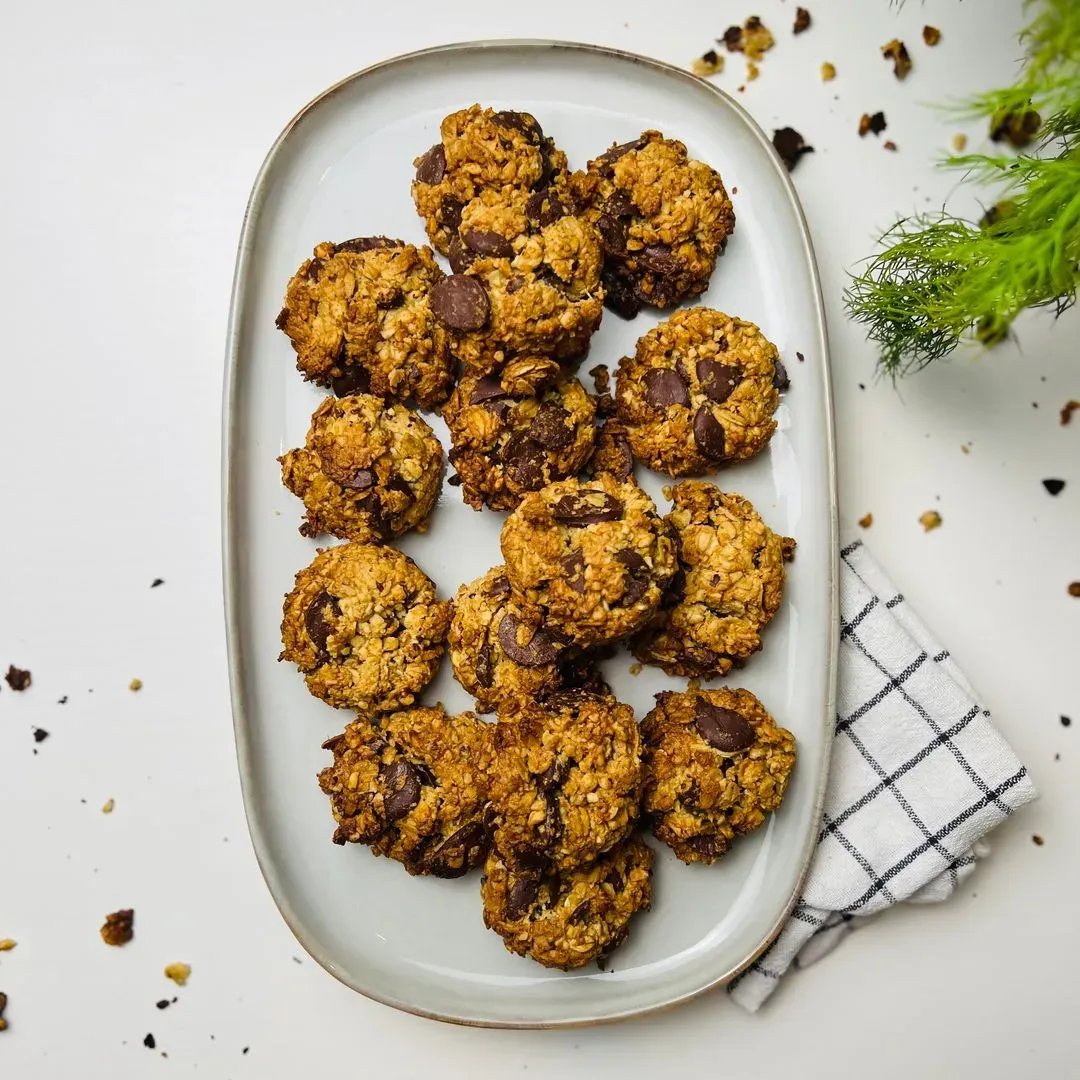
point(918, 777)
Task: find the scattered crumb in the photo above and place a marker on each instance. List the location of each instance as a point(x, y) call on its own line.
point(874, 123)
point(7, 944)
point(1067, 410)
point(1057, 757)
point(245, 1050)
point(164, 1003)
point(828, 72)
point(666, 492)
point(866, 520)
point(800, 357)
point(135, 685)
point(63, 700)
point(965, 448)
point(149, 1042)
point(1055, 487)
point(3, 1006)
point(635, 668)
point(423, 527)
point(889, 144)
point(752, 38)
point(17, 678)
point(741, 88)
point(454, 481)
point(791, 146)
point(1074, 588)
point(1015, 128)
point(179, 973)
point(931, 35)
point(601, 378)
point(1037, 840)
point(40, 734)
point(119, 927)
point(897, 52)
point(959, 142)
point(156, 582)
point(862, 386)
point(297, 960)
point(1065, 721)
point(752, 71)
point(930, 520)
point(802, 21)
point(709, 63)
point(109, 806)
point(734, 191)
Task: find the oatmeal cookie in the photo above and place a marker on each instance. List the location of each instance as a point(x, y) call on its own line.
point(565, 920)
point(359, 318)
point(715, 765)
point(370, 470)
point(699, 392)
point(365, 627)
point(414, 788)
point(664, 219)
point(729, 586)
point(506, 444)
point(567, 780)
point(502, 153)
point(589, 558)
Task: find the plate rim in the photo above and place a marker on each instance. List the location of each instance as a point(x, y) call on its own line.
point(241, 733)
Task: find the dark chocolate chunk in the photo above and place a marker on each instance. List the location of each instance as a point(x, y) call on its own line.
point(450, 211)
point(545, 206)
point(717, 380)
point(709, 846)
point(458, 853)
point(554, 776)
point(313, 269)
point(316, 622)
point(659, 259)
point(875, 123)
point(399, 484)
point(18, 678)
point(460, 303)
point(521, 895)
point(580, 914)
point(708, 435)
point(431, 168)
point(553, 823)
point(514, 284)
point(488, 388)
point(617, 151)
point(523, 459)
point(573, 567)
point(526, 123)
point(637, 576)
point(665, 387)
point(723, 729)
point(499, 587)
point(790, 145)
point(40, 735)
point(619, 204)
point(459, 256)
point(780, 377)
point(282, 318)
point(149, 1041)
point(362, 480)
point(802, 20)
point(549, 427)
point(620, 295)
point(541, 649)
point(485, 669)
point(1055, 487)
point(732, 39)
point(156, 582)
point(164, 1003)
point(353, 380)
point(368, 243)
point(402, 783)
point(486, 242)
point(612, 233)
point(587, 507)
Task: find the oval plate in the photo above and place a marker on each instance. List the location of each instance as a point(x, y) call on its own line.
point(342, 168)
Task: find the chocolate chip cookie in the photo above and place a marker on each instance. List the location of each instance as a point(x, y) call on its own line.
point(359, 317)
point(565, 920)
point(699, 392)
point(414, 788)
point(365, 627)
point(503, 153)
point(588, 558)
point(715, 765)
point(729, 587)
point(370, 470)
point(567, 780)
point(505, 444)
point(664, 220)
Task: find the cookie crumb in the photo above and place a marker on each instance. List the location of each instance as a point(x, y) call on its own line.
point(866, 521)
point(149, 1042)
point(18, 678)
point(666, 491)
point(7, 944)
point(1015, 128)
point(3, 1006)
point(889, 144)
point(752, 38)
point(63, 700)
point(1074, 588)
point(1037, 840)
point(1067, 410)
point(40, 734)
point(135, 685)
point(164, 1003)
point(828, 72)
point(119, 927)
point(601, 378)
point(931, 35)
point(109, 806)
point(965, 448)
point(800, 357)
point(959, 142)
point(635, 668)
point(156, 582)
point(245, 1050)
point(802, 21)
point(179, 973)
point(752, 71)
point(710, 63)
point(930, 520)
point(871, 122)
point(791, 146)
point(897, 52)
point(1055, 487)
point(1066, 721)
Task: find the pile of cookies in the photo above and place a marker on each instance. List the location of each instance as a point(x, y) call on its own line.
point(547, 799)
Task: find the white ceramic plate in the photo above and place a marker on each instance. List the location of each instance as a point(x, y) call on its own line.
point(340, 169)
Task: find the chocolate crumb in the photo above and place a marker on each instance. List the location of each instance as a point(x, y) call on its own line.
point(601, 378)
point(156, 582)
point(874, 123)
point(454, 481)
point(1074, 588)
point(245, 1050)
point(791, 146)
point(63, 700)
point(897, 52)
point(752, 38)
point(862, 386)
point(889, 144)
point(1055, 487)
point(800, 356)
point(1066, 721)
point(1037, 840)
point(163, 1003)
point(1067, 410)
point(802, 21)
point(40, 734)
point(866, 520)
point(931, 35)
point(709, 63)
point(119, 927)
point(18, 678)
point(149, 1042)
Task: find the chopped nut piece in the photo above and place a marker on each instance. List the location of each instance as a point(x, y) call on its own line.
point(802, 21)
point(7, 944)
point(1067, 410)
point(179, 973)
point(635, 668)
point(135, 685)
point(875, 123)
point(119, 927)
point(708, 64)
point(752, 71)
point(17, 678)
point(889, 144)
point(108, 807)
point(752, 38)
point(931, 35)
point(828, 72)
point(866, 520)
point(959, 142)
point(930, 520)
point(897, 52)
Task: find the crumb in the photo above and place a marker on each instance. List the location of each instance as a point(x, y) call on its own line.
point(866, 520)
point(135, 685)
point(1074, 588)
point(752, 71)
point(959, 142)
point(156, 582)
point(862, 386)
point(800, 356)
point(7, 944)
point(965, 448)
point(897, 52)
point(297, 960)
point(601, 378)
point(1066, 721)
point(1055, 487)
point(741, 88)
point(245, 1050)
point(931, 35)
point(734, 191)
point(752, 38)
point(17, 678)
point(791, 146)
point(1067, 410)
point(63, 700)
point(874, 123)
point(149, 1042)
point(454, 481)
point(1015, 128)
point(708, 64)
point(666, 492)
point(3, 1006)
point(109, 806)
point(423, 527)
point(119, 927)
point(164, 1003)
point(930, 520)
point(40, 734)
point(889, 144)
point(1037, 840)
point(1057, 757)
point(828, 72)
point(802, 21)
point(179, 973)
point(635, 669)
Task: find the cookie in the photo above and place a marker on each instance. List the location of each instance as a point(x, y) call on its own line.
point(414, 788)
point(365, 627)
point(729, 587)
point(503, 153)
point(715, 765)
point(664, 220)
point(505, 444)
point(699, 392)
point(359, 317)
point(567, 780)
point(588, 558)
point(370, 470)
point(566, 920)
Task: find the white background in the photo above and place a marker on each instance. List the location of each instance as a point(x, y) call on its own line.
point(131, 136)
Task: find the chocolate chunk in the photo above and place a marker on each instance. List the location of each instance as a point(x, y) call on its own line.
point(659, 259)
point(362, 480)
point(717, 380)
point(1055, 487)
point(458, 853)
point(619, 204)
point(780, 376)
point(450, 211)
point(733, 39)
point(580, 914)
point(664, 387)
point(802, 20)
point(499, 587)
point(553, 823)
point(637, 576)
point(554, 776)
point(485, 669)
point(399, 484)
point(540, 650)
point(573, 566)
point(617, 151)
point(620, 295)
point(619, 460)
point(587, 507)
point(431, 167)
point(460, 303)
point(149, 1041)
point(282, 318)
point(709, 846)
point(875, 123)
point(526, 123)
point(353, 380)
point(549, 426)
point(459, 256)
point(389, 300)
point(612, 233)
point(523, 459)
point(514, 284)
point(316, 622)
point(488, 388)
point(368, 243)
point(723, 729)
point(402, 785)
point(790, 145)
point(454, 481)
point(545, 206)
point(521, 895)
point(313, 269)
point(18, 678)
point(486, 242)
point(708, 435)
point(40, 735)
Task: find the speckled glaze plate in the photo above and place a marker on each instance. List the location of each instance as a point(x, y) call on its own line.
point(342, 168)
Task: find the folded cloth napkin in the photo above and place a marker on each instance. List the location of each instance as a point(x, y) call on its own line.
point(918, 777)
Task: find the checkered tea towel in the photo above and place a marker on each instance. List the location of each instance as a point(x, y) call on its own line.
point(918, 777)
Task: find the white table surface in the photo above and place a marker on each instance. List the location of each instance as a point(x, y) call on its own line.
point(132, 134)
